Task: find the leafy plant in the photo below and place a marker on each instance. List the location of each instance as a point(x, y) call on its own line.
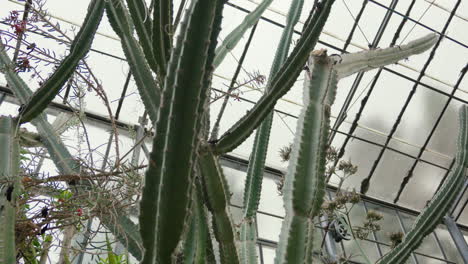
point(184, 177)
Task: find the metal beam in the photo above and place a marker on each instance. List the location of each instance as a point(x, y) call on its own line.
point(457, 237)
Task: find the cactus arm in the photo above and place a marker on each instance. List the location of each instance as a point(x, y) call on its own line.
point(248, 241)
point(143, 26)
point(217, 197)
point(235, 36)
point(432, 215)
point(370, 59)
point(148, 88)
point(9, 169)
point(242, 129)
point(253, 183)
point(167, 181)
point(162, 33)
point(57, 150)
point(280, 84)
point(126, 232)
point(304, 186)
point(252, 192)
point(79, 47)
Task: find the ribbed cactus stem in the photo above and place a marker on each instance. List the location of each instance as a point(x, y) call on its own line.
point(370, 59)
point(304, 186)
point(217, 196)
point(9, 188)
point(440, 204)
point(171, 163)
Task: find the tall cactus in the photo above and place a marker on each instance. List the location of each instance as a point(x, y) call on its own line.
point(10, 188)
point(167, 181)
point(432, 215)
point(253, 183)
point(304, 185)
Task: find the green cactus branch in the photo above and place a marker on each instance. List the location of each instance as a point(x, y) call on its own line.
point(304, 185)
point(78, 49)
point(143, 27)
point(217, 197)
point(235, 36)
point(148, 88)
point(162, 33)
point(169, 176)
point(9, 170)
point(371, 59)
point(57, 150)
point(280, 84)
point(432, 215)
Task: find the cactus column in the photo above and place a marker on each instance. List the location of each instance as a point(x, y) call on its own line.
point(9, 189)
